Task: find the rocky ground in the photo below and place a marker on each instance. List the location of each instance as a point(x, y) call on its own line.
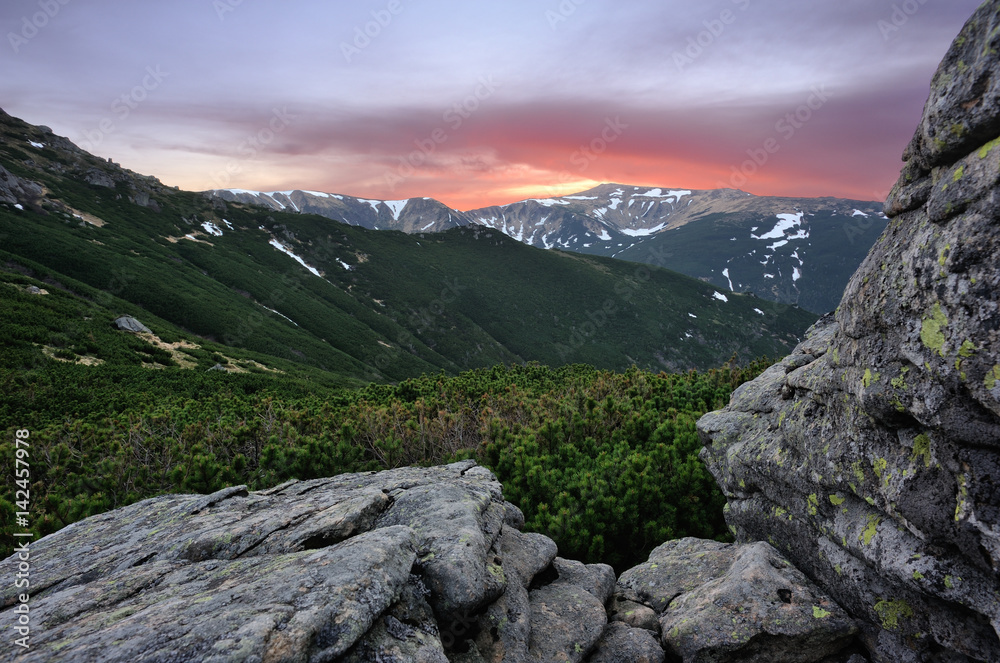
point(414, 564)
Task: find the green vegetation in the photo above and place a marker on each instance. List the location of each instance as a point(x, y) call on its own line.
point(604, 463)
point(256, 369)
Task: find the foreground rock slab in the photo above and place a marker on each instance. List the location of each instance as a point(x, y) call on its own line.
point(415, 564)
point(724, 602)
point(871, 456)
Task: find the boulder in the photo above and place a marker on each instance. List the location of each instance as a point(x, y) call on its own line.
point(622, 644)
point(871, 456)
point(130, 324)
point(405, 565)
point(726, 602)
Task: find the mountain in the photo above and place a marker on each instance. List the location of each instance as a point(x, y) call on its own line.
point(414, 215)
point(360, 304)
point(790, 250)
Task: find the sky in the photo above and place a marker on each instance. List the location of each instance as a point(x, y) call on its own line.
point(484, 102)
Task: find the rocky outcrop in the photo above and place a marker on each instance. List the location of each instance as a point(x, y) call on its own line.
point(406, 565)
point(871, 456)
point(130, 324)
point(14, 189)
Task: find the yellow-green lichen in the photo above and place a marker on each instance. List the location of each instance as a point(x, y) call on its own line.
point(917, 575)
point(988, 147)
point(820, 613)
point(933, 328)
point(963, 497)
point(870, 530)
point(813, 504)
point(992, 378)
point(922, 449)
point(880, 466)
point(958, 173)
point(837, 500)
point(967, 350)
point(870, 378)
point(891, 612)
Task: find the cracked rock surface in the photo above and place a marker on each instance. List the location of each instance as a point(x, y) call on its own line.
point(423, 565)
point(871, 456)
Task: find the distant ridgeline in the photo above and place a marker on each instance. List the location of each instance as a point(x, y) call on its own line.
point(790, 250)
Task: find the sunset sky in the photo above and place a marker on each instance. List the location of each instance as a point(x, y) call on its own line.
point(481, 102)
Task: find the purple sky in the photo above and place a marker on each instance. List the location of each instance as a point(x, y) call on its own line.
point(484, 102)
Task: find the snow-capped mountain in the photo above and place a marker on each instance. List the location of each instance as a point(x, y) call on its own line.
point(790, 250)
point(414, 215)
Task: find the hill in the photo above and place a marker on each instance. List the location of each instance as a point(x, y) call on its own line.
point(360, 304)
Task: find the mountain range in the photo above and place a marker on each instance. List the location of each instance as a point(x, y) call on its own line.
point(790, 250)
point(244, 287)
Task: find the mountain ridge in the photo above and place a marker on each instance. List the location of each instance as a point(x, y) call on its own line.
point(711, 234)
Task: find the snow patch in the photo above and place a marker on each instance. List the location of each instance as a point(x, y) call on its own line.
point(345, 265)
point(38, 145)
point(281, 314)
point(721, 297)
point(228, 225)
point(777, 245)
point(725, 273)
point(759, 311)
point(397, 207)
point(658, 193)
point(547, 202)
point(785, 222)
point(212, 229)
point(605, 236)
point(645, 232)
point(424, 229)
point(284, 249)
point(796, 274)
point(615, 202)
point(769, 276)
point(18, 206)
point(580, 197)
point(693, 316)
point(858, 212)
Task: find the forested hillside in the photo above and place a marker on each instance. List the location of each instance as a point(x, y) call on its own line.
point(604, 463)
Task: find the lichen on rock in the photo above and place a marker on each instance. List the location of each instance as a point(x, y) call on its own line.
point(896, 419)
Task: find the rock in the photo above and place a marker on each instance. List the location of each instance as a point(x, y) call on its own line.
point(14, 188)
point(623, 644)
point(873, 466)
point(566, 622)
point(625, 608)
point(99, 178)
point(130, 324)
point(406, 565)
point(725, 602)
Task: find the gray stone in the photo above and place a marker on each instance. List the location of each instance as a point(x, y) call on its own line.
point(623, 644)
point(878, 475)
point(722, 602)
point(130, 324)
point(632, 613)
point(566, 623)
